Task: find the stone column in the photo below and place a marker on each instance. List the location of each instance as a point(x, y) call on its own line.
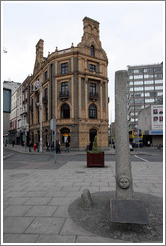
point(124, 187)
point(101, 100)
point(86, 98)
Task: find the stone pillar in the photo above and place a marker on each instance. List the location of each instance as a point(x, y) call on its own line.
point(101, 100)
point(86, 98)
point(124, 187)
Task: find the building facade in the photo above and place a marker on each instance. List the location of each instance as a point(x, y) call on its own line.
point(13, 119)
point(151, 122)
point(18, 122)
point(22, 113)
point(9, 87)
point(145, 88)
point(75, 92)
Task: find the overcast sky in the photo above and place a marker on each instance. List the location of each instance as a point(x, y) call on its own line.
point(131, 33)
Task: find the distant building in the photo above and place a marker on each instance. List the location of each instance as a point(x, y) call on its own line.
point(13, 118)
point(23, 113)
point(111, 134)
point(75, 92)
point(145, 88)
point(151, 121)
point(9, 87)
point(13, 86)
point(19, 127)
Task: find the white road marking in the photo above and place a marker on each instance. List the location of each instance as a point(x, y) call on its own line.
point(5, 156)
point(141, 158)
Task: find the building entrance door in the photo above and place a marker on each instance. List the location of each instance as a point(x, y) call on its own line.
point(65, 135)
point(92, 134)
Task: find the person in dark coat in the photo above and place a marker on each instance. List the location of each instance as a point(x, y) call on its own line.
point(67, 146)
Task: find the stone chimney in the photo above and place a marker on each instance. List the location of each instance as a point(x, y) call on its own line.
point(39, 55)
point(91, 28)
point(39, 49)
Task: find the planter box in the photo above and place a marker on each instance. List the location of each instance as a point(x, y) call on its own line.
point(95, 159)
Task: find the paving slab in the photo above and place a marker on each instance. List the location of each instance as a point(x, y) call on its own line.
point(37, 201)
point(61, 201)
point(41, 211)
point(56, 239)
point(16, 200)
point(16, 224)
point(16, 210)
point(61, 211)
point(16, 194)
point(95, 239)
point(20, 238)
point(46, 226)
point(70, 228)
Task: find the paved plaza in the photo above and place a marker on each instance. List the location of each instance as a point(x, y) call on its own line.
point(36, 201)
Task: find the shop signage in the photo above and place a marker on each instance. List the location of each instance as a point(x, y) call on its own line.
point(155, 132)
point(157, 116)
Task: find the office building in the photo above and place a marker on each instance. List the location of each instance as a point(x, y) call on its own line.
point(145, 88)
point(9, 87)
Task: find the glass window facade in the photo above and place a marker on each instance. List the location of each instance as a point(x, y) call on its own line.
point(160, 81)
point(92, 111)
point(149, 88)
point(138, 82)
point(148, 82)
point(6, 100)
point(65, 111)
point(138, 88)
point(147, 76)
point(92, 67)
point(159, 87)
point(64, 68)
point(145, 88)
point(138, 76)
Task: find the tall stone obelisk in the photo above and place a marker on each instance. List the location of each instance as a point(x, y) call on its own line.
point(124, 186)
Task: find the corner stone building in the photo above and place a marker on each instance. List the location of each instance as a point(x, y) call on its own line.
point(75, 92)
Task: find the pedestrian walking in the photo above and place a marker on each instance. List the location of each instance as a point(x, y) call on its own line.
point(37, 147)
point(52, 148)
point(13, 143)
point(90, 146)
point(67, 146)
point(58, 150)
point(48, 146)
point(30, 144)
point(34, 147)
point(6, 143)
point(59, 147)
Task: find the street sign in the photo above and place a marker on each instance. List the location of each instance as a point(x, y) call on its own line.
point(53, 124)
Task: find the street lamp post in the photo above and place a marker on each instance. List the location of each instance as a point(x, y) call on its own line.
point(38, 85)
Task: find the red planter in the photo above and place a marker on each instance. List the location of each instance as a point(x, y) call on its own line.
point(95, 159)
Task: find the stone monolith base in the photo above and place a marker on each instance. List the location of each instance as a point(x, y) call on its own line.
point(97, 220)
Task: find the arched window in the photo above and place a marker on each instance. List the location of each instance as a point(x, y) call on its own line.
point(92, 50)
point(65, 111)
point(92, 111)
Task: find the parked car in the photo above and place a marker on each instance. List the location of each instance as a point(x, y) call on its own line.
point(130, 147)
